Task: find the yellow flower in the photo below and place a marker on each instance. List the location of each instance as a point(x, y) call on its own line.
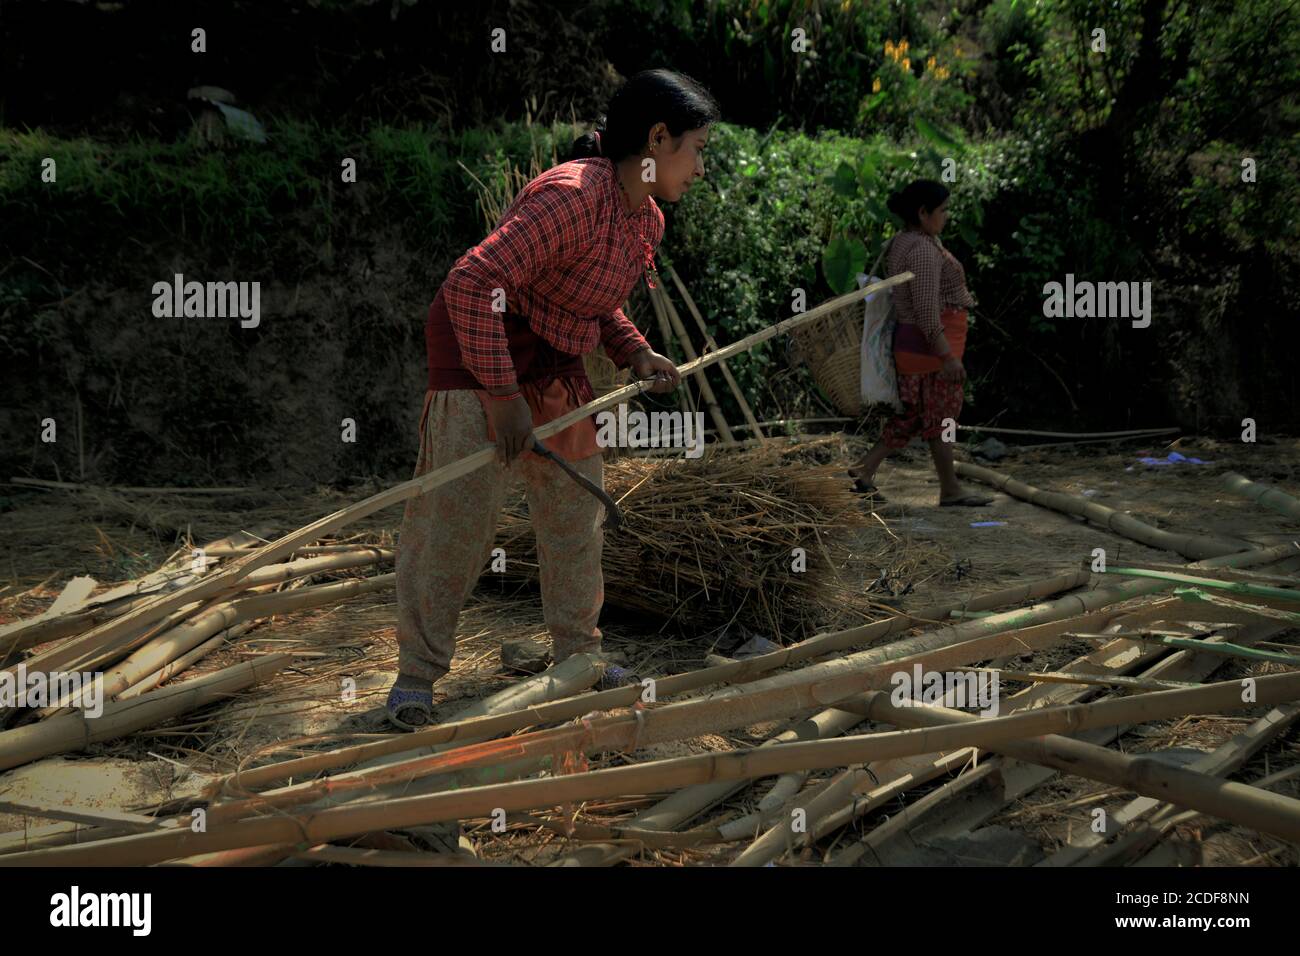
point(942, 73)
point(903, 46)
point(889, 48)
point(929, 64)
point(907, 63)
point(844, 7)
point(875, 85)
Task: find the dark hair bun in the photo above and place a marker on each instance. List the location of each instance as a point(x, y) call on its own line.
point(895, 204)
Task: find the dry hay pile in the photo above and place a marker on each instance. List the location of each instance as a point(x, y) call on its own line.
point(711, 541)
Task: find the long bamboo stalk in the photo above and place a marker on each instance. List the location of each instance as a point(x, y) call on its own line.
point(666, 334)
point(1266, 812)
point(276, 550)
point(1128, 433)
point(1279, 501)
point(1133, 822)
point(706, 390)
point(712, 346)
point(1189, 545)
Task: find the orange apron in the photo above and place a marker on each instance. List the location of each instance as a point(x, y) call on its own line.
point(912, 355)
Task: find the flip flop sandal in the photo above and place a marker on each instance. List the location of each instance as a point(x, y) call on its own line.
point(410, 709)
point(966, 501)
point(863, 487)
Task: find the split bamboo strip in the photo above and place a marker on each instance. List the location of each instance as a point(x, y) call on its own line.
point(183, 662)
point(712, 346)
point(706, 390)
point(1262, 811)
point(748, 669)
point(98, 816)
point(75, 731)
point(270, 553)
point(1189, 545)
point(1290, 595)
point(1279, 501)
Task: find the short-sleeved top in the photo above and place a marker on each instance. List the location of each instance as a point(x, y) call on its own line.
point(940, 284)
point(566, 254)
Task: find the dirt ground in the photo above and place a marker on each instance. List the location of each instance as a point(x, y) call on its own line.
point(913, 555)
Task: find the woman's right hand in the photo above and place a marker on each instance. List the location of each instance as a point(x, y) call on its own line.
point(953, 370)
point(512, 422)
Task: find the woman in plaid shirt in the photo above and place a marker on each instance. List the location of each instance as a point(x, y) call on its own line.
point(929, 340)
point(505, 339)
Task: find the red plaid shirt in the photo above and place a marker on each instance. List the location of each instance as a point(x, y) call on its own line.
point(565, 254)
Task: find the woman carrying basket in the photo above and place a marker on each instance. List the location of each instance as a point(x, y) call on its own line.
point(505, 336)
point(928, 343)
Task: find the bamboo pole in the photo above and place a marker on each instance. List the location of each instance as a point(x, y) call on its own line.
point(1290, 595)
point(182, 663)
point(711, 345)
point(76, 486)
point(666, 333)
point(1138, 815)
point(1262, 811)
point(706, 390)
point(270, 553)
point(1128, 433)
point(1189, 545)
point(1279, 501)
point(75, 731)
point(522, 754)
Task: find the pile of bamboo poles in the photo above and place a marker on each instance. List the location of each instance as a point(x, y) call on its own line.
point(458, 771)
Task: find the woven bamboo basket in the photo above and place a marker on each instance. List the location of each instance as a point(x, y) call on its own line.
point(832, 348)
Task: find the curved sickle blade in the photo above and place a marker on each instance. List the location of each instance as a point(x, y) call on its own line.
point(613, 517)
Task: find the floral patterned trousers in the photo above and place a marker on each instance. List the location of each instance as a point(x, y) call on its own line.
point(447, 537)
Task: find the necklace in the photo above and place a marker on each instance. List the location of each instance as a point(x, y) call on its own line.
point(638, 237)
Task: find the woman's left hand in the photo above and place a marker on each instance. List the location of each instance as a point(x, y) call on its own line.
point(650, 364)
